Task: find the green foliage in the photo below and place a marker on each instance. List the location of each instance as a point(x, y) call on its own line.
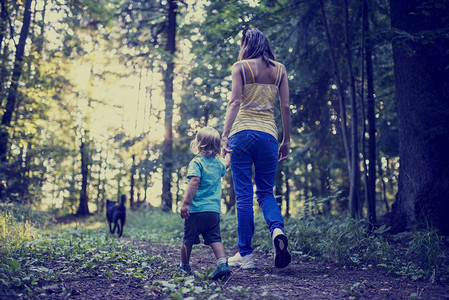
point(12, 233)
point(72, 252)
point(353, 291)
point(51, 117)
point(426, 247)
point(342, 240)
point(33, 257)
point(155, 226)
point(348, 241)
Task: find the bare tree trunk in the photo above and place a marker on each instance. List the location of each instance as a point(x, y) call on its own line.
point(351, 150)
point(324, 180)
point(384, 188)
point(83, 208)
point(355, 206)
point(145, 185)
point(100, 196)
point(4, 18)
point(422, 91)
point(287, 192)
point(86, 160)
point(131, 192)
point(17, 72)
point(167, 148)
point(342, 104)
point(371, 182)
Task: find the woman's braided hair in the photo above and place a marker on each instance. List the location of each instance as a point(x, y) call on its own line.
point(254, 44)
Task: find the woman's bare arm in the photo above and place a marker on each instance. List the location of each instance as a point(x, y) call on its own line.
point(285, 113)
point(233, 105)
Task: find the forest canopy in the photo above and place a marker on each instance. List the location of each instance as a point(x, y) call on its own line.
point(102, 98)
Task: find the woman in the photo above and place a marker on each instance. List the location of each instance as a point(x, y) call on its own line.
point(250, 133)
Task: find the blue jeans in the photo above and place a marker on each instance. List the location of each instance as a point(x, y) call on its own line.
point(250, 147)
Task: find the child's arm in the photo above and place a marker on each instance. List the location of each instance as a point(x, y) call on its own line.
point(191, 191)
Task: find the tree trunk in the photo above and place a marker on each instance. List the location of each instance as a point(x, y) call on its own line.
point(100, 186)
point(371, 180)
point(355, 207)
point(287, 192)
point(421, 71)
point(167, 148)
point(145, 186)
point(324, 186)
point(131, 192)
point(351, 149)
point(17, 71)
point(4, 20)
point(83, 209)
point(337, 78)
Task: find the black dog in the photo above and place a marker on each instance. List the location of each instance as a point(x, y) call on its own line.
point(116, 213)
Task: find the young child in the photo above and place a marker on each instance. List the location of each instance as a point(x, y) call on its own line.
point(201, 206)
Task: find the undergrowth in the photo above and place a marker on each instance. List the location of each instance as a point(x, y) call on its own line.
point(34, 255)
point(415, 255)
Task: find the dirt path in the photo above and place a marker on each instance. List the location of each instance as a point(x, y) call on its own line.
point(301, 280)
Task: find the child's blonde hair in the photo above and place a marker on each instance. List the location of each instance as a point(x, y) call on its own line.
point(206, 142)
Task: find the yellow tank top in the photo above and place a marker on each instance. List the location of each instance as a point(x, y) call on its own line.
point(257, 105)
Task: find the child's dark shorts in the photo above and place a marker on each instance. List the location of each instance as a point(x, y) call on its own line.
point(205, 223)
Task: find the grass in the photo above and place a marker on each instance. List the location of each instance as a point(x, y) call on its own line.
point(34, 253)
point(52, 256)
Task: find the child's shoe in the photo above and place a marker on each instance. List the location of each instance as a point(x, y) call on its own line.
point(184, 269)
point(246, 262)
point(221, 272)
point(282, 257)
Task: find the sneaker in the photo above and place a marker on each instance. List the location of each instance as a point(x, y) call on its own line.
point(282, 257)
point(221, 272)
point(246, 262)
point(184, 269)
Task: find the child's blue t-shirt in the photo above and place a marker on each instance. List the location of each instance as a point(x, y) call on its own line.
point(208, 196)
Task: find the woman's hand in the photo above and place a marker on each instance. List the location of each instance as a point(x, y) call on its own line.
point(284, 149)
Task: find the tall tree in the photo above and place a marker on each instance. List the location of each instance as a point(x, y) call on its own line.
point(13, 89)
point(421, 66)
point(83, 208)
point(370, 177)
point(355, 205)
point(167, 148)
point(351, 148)
point(4, 20)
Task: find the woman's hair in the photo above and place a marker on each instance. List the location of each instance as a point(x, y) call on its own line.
point(254, 44)
point(206, 142)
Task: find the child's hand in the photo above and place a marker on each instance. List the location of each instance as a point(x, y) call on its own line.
point(185, 211)
point(225, 147)
point(227, 160)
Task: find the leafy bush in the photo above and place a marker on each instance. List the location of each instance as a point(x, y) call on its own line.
point(13, 233)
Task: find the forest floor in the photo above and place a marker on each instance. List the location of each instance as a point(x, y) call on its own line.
point(302, 279)
point(80, 259)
